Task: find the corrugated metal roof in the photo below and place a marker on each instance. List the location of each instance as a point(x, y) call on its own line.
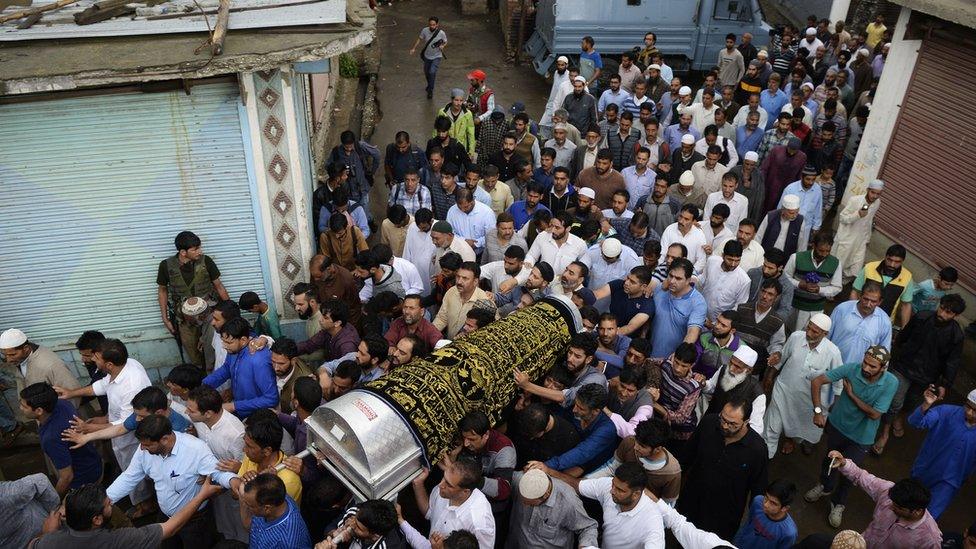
point(175, 16)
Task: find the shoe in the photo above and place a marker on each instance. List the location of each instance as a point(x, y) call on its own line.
point(430, 95)
point(10, 436)
point(836, 514)
point(815, 493)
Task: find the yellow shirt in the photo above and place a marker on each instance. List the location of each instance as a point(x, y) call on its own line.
point(501, 197)
point(453, 312)
point(873, 34)
point(293, 484)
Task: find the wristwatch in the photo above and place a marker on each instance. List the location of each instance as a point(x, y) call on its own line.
point(817, 410)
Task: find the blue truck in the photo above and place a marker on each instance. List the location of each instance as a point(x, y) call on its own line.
point(689, 32)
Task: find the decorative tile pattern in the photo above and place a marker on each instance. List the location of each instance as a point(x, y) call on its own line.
point(282, 203)
point(291, 267)
point(286, 235)
point(273, 130)
point(278, 168)
point(277, 158)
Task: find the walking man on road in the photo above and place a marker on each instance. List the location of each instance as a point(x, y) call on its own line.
point(434, 39)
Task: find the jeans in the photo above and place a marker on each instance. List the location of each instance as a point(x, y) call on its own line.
point(835, 483)
point(430, 72)
point(843, 173)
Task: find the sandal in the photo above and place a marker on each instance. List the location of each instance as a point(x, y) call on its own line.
point(788, 448)
point(898, 432)
point(877, 450)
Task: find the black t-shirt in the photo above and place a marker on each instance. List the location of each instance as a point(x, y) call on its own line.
point(559, 440)
point(150, 535)
point(162, 275)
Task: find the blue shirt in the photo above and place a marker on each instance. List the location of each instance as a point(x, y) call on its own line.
point(854, 334)
point(522, 215)
point(773, 103)
point(745, 143)
point(926, 296)
point(846, 417)
point(593, 56)
point(811, 203)
point(674, 133)
point(175, 476)
point(598, 441)
point(672, 318)
point(356, 211)
point(85, 463)
point(762, 532)
point(289, 531)
point(608, 97)
point(539, 175)
point(948, 453)
point(180, 424)
point(624, 307)
point(252, 380)
point(615, 360)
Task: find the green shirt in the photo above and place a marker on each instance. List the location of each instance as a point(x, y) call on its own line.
point(267, 324)
point(848, 418)
point(906, 295)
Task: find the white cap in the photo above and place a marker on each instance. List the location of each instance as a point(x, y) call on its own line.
point(806, 85)
point(762, 53)
point(746, 355)
point(441, 343)
point(654, 66)
point(534, 484)
point(580, 79)
point(559, 126)
point(876, 185)
point(811, 31)
point(821, 321)
point(687, 139)
point(687, 179)
point(684, 90)
point(193, 306)
point(791, 202)
point(863, 52)
point(753, 156)
point(972, 396)
point(587, 192)
point(562, 59)
point(12, 338)
point(611, 247)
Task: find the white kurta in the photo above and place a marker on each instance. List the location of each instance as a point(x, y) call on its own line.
point(853, 234)
point(791, 407)
point(723, 290)
point(418, 248)
point(554, 92)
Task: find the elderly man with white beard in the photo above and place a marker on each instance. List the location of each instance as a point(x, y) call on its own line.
point(807, 354)
point(736, 382)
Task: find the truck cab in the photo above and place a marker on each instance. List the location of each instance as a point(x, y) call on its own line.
point(689, 32)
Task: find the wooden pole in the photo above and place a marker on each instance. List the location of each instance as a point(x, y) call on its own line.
point(27, 13)
point(220, 29)
point(521, 34)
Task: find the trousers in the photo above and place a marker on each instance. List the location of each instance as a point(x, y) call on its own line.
point(831, 479)
point(430, 72)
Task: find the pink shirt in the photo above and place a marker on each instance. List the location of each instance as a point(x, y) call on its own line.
point(886, 529)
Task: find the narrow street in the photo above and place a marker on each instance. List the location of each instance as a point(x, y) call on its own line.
point(476, 42)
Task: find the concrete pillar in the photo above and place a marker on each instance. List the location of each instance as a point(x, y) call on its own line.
point(838, 11)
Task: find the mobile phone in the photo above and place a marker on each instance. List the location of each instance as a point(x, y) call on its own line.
point(865, 207)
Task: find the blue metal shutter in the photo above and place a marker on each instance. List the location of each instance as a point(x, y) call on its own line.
point(94, 191)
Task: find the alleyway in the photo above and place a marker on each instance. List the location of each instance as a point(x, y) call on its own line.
point(476, 42)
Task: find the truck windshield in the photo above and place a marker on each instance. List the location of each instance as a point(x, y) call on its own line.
point(733, 10)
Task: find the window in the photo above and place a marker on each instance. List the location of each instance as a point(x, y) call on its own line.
point(733, 10)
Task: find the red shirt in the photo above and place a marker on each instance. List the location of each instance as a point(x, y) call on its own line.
point(425, 331)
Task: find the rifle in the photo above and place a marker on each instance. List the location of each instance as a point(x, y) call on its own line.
point(176, 335)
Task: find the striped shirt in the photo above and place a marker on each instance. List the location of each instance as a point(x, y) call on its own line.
point(678, 397)
point(288, 531)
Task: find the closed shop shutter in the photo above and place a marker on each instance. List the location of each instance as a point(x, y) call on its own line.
point(94, 191)
point(928, 202)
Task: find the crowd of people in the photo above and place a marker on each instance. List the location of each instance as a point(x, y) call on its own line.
point(693, 229)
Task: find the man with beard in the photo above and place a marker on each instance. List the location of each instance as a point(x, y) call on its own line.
point(859, 324)
point(723, 283)
point(735, 382)
point(88, 342)
point(460, 299)
point(737, 204)
point(684, 231)
point(853, 420)
point(506, 158)
point(708, 171)
point(655, 84)
point(785, 228)
point(630, 518)
point(727, 467)
point(817, 277)
point(288, 367)
point(406, 348)
point(752, 251)
point(926, 354)
point(717, 234)
point(493, 450)
point(760, 327)
point(632, 232)
point(491, 130)
point(675, 134)
point(682, 160)
point(537, 284)
point(564, 147)
point(585, 209)
point(679, 392)
point(557, 246)
point(715, 347)
point(412, 322)
point(781, 166)
point(580, 105)
point(611, 346)
point(856, 222)
point(608, 261)
point(500, 193)
point(571, 279)
point(523, 210)
point(329, 280)
point(519, 182)
point(598, 437)
point(612, 96)
point(454, 151)
point(585, 155)
point(660, 206)
point(560, 76)
point(749, 84)
point(807, 354)
point(445, 241)
point(639, 177)
point(772, 269)
point(579, 363)
point(896, 282)
point(628, 300)
point(511, 267)
point(752, 185)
